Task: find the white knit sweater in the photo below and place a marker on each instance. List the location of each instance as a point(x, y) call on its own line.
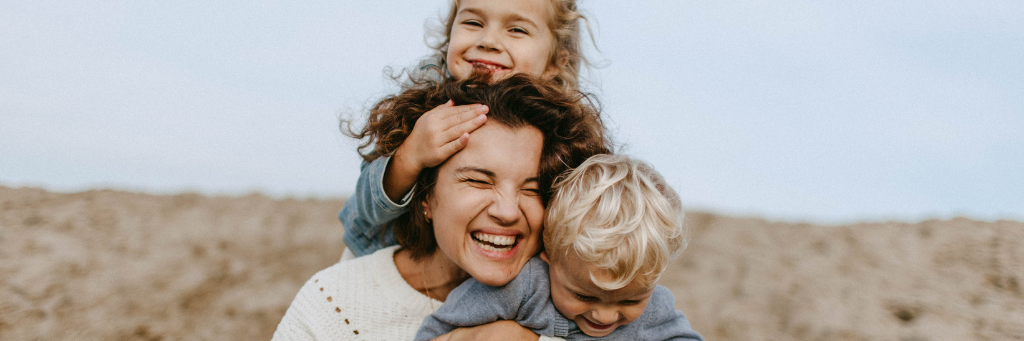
point(359, 299)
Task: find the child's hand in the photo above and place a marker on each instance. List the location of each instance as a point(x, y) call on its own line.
point(441, 132)
point(437, 135)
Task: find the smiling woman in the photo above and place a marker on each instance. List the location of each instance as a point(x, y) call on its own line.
point(486, 206)
point(481, 211)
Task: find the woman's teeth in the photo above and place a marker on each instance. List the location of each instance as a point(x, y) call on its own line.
point(493, 242)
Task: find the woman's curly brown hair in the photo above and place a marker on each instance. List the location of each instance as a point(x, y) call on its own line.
point(569, 121)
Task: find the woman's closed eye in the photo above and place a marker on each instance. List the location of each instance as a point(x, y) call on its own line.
point(477, 181)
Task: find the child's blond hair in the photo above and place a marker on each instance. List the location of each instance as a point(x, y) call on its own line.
point(617, 214)
point(567, 52)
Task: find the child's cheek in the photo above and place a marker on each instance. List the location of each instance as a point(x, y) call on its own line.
point(565, 304)
point(633, 312)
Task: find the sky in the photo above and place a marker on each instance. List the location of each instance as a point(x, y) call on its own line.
point(792, 110)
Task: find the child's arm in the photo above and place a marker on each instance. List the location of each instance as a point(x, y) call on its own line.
point(436, 136)
point(473, 304)
point(663, 322)
point(385, 185)
point(368, 209)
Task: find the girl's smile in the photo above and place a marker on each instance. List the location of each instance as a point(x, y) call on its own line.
point(502, 37)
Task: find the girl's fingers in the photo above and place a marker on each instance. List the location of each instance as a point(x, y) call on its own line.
point(463, 128)
point(462, 113)
point(454, 146)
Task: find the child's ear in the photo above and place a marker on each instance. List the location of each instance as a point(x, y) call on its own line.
point(544, 257)
point(560, 61)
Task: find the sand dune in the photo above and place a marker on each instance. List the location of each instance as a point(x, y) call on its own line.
point(108, 265)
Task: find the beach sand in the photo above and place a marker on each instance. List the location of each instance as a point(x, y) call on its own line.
point(110, 265)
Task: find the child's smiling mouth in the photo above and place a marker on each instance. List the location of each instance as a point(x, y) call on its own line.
point(487, 66)
point(598, 327)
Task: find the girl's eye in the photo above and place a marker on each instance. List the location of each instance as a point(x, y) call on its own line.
point(473, 23)
point(519, 30)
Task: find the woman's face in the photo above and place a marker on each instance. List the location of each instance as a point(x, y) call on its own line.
point(486, 206)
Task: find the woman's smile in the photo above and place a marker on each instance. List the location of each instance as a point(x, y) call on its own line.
point(486, 208)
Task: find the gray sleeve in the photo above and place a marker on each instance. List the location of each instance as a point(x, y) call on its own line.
point(474, 304)
point(661, 320)
point(471, 304)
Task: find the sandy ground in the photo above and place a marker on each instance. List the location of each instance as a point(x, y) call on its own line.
point(108, 265)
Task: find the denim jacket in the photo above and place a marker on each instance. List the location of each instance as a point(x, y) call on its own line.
point(368, 210)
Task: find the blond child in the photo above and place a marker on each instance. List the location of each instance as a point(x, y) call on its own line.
point(540, 38)
point(611, 229)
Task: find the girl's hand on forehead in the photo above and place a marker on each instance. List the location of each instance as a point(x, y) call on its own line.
point(440, 133)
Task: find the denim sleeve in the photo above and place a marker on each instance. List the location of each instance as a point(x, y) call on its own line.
point(661, 320)
point(474, 304)
point(367, 212)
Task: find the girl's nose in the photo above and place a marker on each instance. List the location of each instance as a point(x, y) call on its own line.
point(488, 40)
point(505, 209)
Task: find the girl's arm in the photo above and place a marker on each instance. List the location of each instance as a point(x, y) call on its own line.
point(386, 184)
point(368, 209)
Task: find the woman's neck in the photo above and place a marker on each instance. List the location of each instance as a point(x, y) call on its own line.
point(433, 275)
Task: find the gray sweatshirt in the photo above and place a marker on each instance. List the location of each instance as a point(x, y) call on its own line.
point(527, 300)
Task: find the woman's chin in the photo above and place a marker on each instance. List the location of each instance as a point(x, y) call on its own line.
point(495, 267)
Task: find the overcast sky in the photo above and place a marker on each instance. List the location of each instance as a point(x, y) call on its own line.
point(821, 111)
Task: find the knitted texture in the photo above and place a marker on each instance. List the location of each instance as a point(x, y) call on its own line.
point(360, 299)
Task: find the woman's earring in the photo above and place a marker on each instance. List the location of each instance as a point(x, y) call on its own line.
point(426, 216)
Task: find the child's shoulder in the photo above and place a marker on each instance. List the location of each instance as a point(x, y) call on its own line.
point(661, 320)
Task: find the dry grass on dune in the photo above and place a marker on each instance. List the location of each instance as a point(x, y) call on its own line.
point(747, 279)
point(108, 265)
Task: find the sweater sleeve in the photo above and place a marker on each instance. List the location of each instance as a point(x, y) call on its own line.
point(661, 320)
point(367, 212)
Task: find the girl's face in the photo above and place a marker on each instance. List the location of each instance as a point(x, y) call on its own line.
point(485, 205)
point(503, 37)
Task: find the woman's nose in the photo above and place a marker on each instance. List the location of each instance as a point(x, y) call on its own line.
point(505, 209)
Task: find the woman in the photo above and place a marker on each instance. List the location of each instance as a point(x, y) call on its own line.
point(480, 216)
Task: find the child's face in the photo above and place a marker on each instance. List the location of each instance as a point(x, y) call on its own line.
point(596, 311)
point(503, 37)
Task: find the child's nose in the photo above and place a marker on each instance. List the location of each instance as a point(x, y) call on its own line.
point(488, 40)
point(605, 315)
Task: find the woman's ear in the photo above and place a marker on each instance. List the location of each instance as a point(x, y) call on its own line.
point(426, 210)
